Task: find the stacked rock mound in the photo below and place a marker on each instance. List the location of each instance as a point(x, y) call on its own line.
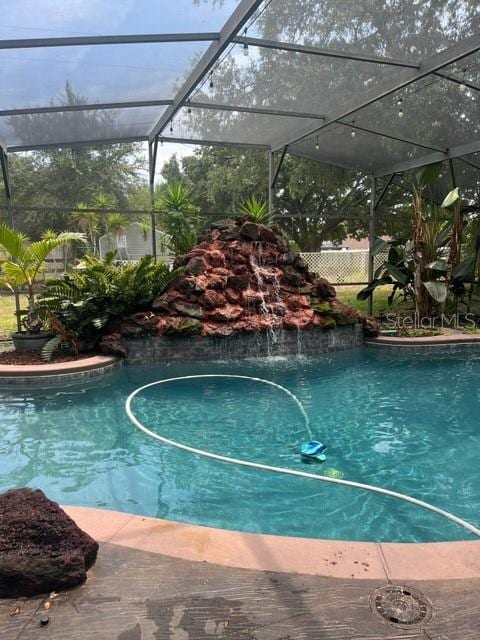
point(41, 548)
point(242, 276)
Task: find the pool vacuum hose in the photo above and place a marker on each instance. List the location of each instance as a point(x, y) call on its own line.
point(284, 470)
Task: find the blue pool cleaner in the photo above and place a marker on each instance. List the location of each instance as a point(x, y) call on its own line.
point(313, 450)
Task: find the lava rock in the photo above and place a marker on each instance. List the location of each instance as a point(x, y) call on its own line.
point(180, 326)
point(211, 299)
point(41, 548)
point(293, 278)
point(299, 264)
point(371, 326)
point(238, 282)
point(250, 230)
point(195, 266)
point(233, 296)
point(187, 286)
point(217, 282)
point(219, 330)
point(244, 275)
point(298, 319)
point(188, 309)
point(289, 257)
point(323, 289)
point(163, 302)
point(228, 313)
point(267, 234)
point(113, 345)
point(215, 258)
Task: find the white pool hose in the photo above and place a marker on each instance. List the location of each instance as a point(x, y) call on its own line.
point(284, 470)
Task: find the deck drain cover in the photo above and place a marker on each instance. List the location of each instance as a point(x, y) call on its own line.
point(401, 606)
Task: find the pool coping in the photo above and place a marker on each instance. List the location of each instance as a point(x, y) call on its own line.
point(442, 340)
point(53, 371)
point(390, 561)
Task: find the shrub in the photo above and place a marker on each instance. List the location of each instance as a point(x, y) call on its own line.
point(85, 299)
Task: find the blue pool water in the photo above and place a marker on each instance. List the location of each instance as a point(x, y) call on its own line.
point(408, 423)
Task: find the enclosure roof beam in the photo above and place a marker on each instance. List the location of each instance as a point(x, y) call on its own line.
point(243, 12)
point(157, 103)
point(279, 167)
point(99, 142)
point(453, 152)
point(214, 143)
point(383, 193)
point(474, 165)
point(326, 53)
point(75, 144)
point(383, 134)
point(256, 110)
point(429, 66)
point(84, 107)
point(460, 81)
point(82, 41)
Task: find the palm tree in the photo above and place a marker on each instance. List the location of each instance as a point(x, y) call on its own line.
point(116, 223)
point(88, 222)
point(25, 261)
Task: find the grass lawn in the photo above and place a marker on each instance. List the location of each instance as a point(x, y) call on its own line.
point(348, 295)
point(8, 321)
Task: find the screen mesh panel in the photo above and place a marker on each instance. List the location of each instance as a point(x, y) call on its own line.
point(433, 111)
point(436, 112)
point(37, 77)
point(409, 29)
point(48, 18)
point(230, 126)
point(296, 81)
point(337, 146)
point(78, 126)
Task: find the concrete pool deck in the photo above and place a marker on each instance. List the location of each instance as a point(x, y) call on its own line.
point(329, 558)
point(162, 580)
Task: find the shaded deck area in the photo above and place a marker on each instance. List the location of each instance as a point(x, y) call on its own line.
point(139, 595)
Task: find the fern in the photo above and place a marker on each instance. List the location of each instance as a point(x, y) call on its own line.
point(85, 300)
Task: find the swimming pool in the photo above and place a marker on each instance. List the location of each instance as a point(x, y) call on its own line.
point(405, 422)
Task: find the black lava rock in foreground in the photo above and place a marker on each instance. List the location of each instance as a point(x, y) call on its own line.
point(41, 548)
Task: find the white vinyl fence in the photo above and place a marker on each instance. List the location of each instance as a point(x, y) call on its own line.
point(342, 266)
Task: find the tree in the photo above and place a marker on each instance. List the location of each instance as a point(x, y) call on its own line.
point(60, 178)
point(313, 202)
point(88, 222)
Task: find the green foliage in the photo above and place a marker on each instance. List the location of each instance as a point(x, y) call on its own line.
point(428, 174)
point(60, 178)
point(85, 299)
point(255, 209)
point(25, 261)
point(178, 216)
point(397, 270)
point(310, 198)
point(451, 198)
